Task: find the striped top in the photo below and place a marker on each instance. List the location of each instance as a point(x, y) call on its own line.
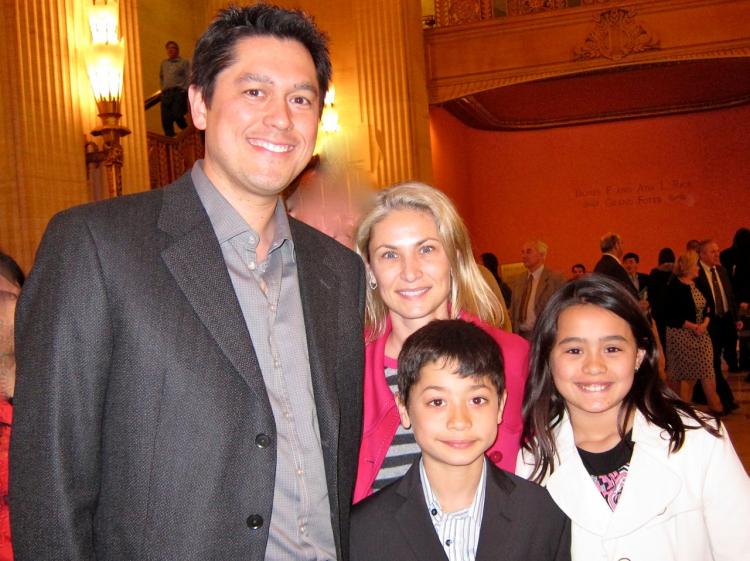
point(403, 451)
point(457, 531)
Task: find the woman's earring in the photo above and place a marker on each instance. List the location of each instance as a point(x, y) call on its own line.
point(372, 283)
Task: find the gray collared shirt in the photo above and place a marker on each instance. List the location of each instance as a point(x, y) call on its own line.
point(269, 295)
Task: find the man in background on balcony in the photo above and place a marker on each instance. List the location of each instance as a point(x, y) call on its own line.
point(174, 76)
point(190, 359)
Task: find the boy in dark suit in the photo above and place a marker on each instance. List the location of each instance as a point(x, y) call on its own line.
point(452, 504)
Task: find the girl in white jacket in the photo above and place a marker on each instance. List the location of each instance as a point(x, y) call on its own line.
point(641, 474)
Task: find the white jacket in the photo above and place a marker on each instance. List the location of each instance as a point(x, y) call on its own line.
point(693, 505)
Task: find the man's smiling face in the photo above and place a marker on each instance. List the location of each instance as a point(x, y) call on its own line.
point(263, 118)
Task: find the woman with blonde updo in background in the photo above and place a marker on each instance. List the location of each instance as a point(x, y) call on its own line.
point(420, 267)
point(689, 350)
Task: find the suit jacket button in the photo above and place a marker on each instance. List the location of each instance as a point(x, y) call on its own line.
point(262, 441)
point(254, 521)
point(496, 456)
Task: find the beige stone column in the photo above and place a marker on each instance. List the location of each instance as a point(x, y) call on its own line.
point(47, 110)
point(389, 55)
point(381, 93)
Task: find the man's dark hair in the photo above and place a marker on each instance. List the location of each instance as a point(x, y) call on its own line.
point(166, 45)
point(10, 270)
point(215, 50)
point(631, 255)
point(666, 255)
point(470, 349)
point(578, 266)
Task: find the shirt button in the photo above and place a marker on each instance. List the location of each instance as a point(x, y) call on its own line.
point(496, 456)
point(262, 441)
point(254, 521)
point(433, 512)
point(448, 542)
point(302, 529)
point(300, 471)
point(252, 265)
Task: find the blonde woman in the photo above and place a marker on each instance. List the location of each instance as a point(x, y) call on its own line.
point(420, 267)
point(689, 350)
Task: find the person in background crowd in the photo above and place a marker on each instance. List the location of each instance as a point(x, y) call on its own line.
point(11, 281)
point(689, 349)
point(610, 263)
point(532, 290)
point(640, 280)
point(657, 285)
point(190, 358)
point(174, 77)
point(713, 282)
point(641, 474)
point(736, 259)
point(578, 270)
point(490, 261)
point(420, 267)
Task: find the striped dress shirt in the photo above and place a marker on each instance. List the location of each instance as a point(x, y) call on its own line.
point(458, 531)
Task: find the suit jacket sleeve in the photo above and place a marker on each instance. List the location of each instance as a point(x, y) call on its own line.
point(64, 344)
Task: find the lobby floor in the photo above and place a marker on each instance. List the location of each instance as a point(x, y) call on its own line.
point(738, 423)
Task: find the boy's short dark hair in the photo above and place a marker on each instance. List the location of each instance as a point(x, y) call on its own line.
point(215, 50)
point(631, 255)
point(471, 349)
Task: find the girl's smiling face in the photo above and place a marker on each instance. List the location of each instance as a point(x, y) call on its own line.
point(593, 362)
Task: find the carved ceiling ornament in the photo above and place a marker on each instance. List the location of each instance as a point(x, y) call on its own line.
point(616, 36)
point(523, 7)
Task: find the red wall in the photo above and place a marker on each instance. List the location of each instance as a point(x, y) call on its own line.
point(657, 182)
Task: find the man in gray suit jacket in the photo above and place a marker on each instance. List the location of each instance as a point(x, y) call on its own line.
point(532, 290)
point(190, 359)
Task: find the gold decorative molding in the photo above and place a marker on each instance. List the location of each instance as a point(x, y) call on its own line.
point(525, 7)
point(456, 12)
point(616, 36)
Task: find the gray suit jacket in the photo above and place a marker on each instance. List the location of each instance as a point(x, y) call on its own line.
point(520, 522)
point(549, 281)
point(142, 425)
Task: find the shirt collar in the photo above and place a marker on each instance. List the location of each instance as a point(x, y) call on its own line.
point(474, 511)
point(613, 256)
point(226, 221)
point(538, 273)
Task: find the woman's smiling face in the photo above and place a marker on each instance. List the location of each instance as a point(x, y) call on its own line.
point(409, 263)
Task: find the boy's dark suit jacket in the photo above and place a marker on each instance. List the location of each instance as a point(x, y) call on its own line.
point(142, 427)
point(521, 522)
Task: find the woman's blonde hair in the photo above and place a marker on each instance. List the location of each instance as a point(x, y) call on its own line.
point(684, 263)
point(469, 291)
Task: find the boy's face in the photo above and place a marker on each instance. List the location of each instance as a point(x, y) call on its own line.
point(454, 419)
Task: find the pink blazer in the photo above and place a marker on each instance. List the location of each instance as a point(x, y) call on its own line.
point(381, 414)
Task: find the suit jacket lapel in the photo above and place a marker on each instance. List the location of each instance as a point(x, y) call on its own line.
point(413, 519)
point(496, 528)
point(319, 291)
point(195, 260)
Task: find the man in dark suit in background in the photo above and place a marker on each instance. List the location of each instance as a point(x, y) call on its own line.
point(640, 280)
point(190, 359)
point(610, 263)
point(713, 281)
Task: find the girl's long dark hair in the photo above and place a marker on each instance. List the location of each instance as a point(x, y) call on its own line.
point(543, 406)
